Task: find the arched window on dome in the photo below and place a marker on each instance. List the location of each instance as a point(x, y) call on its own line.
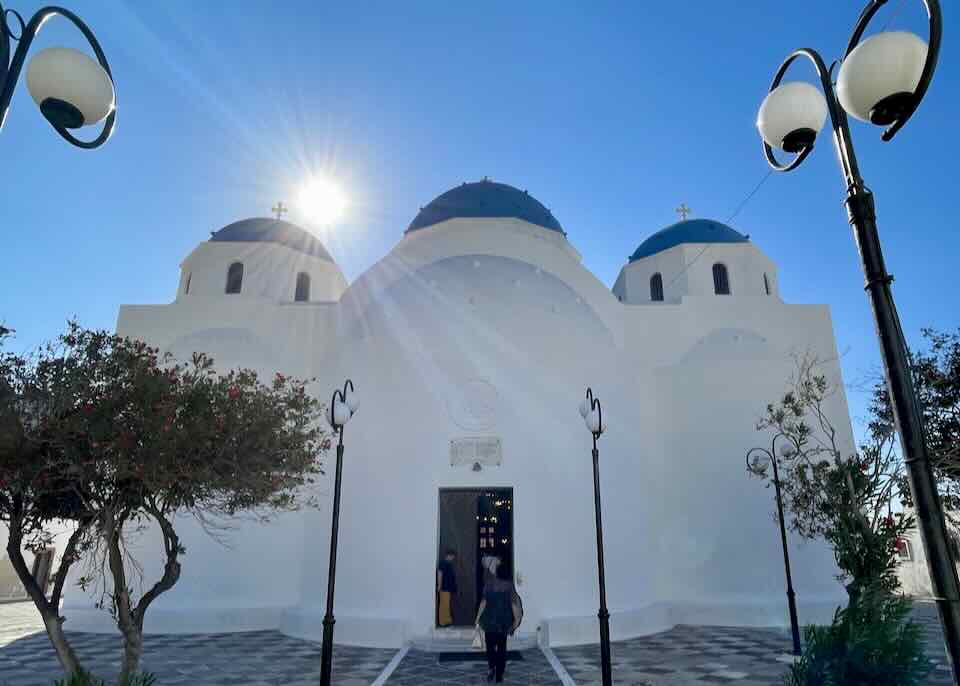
point(186, 288)
point(302, 294)
point(235, 277)
point(721, 281)
point(656, 287)
point(766, 283)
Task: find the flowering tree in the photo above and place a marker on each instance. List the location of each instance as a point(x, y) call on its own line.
point(845, 499)
point(103, 434)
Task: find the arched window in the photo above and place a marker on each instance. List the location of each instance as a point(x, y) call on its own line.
point(235, 277)
point(186, 289)
point(302, 294)
point(766, 283)
point(656, 287)
point(721, 282)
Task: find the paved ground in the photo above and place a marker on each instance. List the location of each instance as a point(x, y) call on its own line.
point(250, 658)
point(423, 668)
point(700, 655)
point(688, 655)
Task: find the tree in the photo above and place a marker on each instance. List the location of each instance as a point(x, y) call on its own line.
point(844, 499)
point(103, 433)
point(936, 378)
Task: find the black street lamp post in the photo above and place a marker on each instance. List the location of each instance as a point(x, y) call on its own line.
point(753, 464)
point(70, 88)
point(881, 80)
point(342, 406)
point(593, 417)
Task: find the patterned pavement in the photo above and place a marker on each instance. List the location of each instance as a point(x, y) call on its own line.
point(687, 655)
point(249, 658)
point(420, 667)
point(700, 655)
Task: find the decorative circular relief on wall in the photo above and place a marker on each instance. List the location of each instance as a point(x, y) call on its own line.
point(473, 405)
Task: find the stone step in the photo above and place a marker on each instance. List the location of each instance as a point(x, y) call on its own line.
point(460, 640)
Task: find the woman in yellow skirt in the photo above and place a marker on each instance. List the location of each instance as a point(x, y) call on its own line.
point(446, 587)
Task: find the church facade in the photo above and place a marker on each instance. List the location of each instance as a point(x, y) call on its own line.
point(471, 345)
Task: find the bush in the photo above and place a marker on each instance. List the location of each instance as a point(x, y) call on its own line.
point(870, 643)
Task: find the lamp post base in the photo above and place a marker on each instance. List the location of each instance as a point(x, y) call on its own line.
point(326, 655)
point(605, 662)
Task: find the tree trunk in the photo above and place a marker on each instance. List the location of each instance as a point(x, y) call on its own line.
point(50, 614)
point(132, 651)
point(66, 656)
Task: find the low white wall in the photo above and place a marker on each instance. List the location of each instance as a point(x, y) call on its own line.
point(657, 617)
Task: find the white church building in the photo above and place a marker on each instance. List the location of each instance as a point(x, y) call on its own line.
point(471, 345)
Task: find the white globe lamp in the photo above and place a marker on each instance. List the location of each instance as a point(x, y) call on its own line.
point(791, 116)
point(71, 88)
point(878, 79)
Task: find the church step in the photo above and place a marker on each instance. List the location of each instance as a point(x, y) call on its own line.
point(460, 640)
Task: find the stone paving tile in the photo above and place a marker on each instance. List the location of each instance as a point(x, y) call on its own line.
point(249, 658)
point(683, 656)
point(700, 655)
point(420, 667)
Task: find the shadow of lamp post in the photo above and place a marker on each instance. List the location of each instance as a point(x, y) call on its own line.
point(755, 458)
point(881, 80)
point(69, 87)
point(343, 405)
point(592, 415)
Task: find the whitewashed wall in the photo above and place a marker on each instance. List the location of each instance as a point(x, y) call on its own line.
point(494, 328)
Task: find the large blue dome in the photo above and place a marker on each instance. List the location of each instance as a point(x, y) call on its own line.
point(687, 231)
point(267, 230)
point(485, 199)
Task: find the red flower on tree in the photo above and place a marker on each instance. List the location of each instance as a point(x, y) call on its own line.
point(234, 393)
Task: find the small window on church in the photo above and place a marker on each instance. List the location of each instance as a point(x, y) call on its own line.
point(302, 294)
point(235, 277)
point(721, 282)
point(904, 551)
point(656, 287)
point(186, 289)
point(766, 284)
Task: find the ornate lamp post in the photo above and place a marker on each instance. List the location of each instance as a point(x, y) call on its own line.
point(755, 458)
point(881, 80)
point(343, 404)
point(70, 88)
point(593, 417)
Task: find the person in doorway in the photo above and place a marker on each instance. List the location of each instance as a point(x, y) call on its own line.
point(446, 587)
point(489, 564)
point(498, 617)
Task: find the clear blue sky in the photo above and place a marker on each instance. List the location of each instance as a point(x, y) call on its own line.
point(611, 114)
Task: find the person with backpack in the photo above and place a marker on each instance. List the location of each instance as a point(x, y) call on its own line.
point(499, 615)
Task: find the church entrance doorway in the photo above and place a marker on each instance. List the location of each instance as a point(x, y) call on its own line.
point(474, 523)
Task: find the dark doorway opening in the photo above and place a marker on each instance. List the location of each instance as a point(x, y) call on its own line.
point(475, 523)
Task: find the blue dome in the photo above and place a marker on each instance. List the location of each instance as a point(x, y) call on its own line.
point(688, 231)
point(267, 230)
point(485, 199)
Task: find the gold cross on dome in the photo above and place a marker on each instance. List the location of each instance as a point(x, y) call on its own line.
point(279, 209)
point(683, 211)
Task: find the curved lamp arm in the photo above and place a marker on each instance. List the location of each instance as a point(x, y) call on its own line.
point(753, 462)
point(935, 20)
point(594, 404)
point(838, 120)
point(342, 395)
point(10, 74)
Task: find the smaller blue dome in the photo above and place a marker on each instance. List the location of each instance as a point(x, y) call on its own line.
point(688, 231)
point(267, 230)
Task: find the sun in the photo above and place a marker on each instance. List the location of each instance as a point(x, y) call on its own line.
point(322, 200)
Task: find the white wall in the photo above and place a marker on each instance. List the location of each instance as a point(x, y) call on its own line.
point(269, 271)
point(687, 270)
point(508, 306)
